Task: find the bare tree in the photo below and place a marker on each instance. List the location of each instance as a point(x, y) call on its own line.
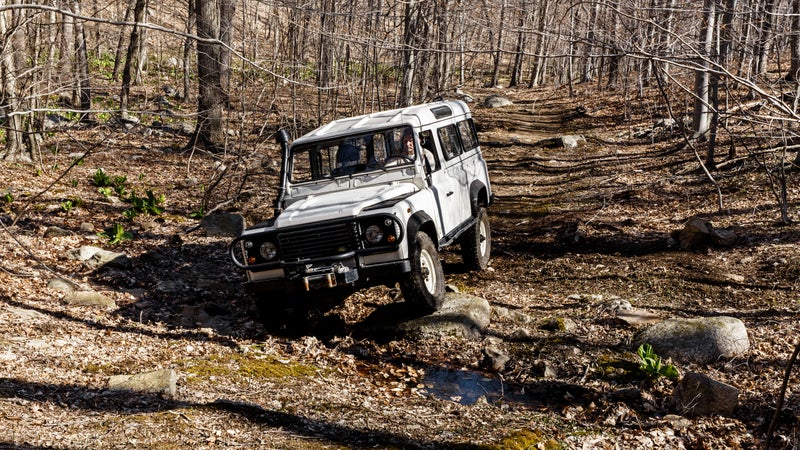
point(15, 149)
point(211, 97)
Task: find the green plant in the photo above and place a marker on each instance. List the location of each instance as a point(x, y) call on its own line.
point(101, 178)
point(8, 198)
point(651, 364)
point(151, 204)
point(70, 204)
point(106, 191)
point(116, 234)
point(199, 214)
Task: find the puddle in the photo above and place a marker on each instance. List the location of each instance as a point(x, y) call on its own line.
point(461, 386)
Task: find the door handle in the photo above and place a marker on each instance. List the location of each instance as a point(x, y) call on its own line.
point(450, 193)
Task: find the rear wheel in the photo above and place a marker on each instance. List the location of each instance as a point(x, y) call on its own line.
point(424, 285)
point(476, 243)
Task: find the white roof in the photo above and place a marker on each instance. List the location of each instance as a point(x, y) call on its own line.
point(416, 116)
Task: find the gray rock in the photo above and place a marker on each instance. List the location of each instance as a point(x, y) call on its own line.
point(83, 253)
point(694, 234)
point(94, 258)
point(699, 395)
point(62, 285)
point(87, 227)
point(157, 382)
point(496, 101)
point(461, 315)
point(107, 258)
point(88, 298)
point(54, 231)
point(569, 141)
point(223, 224)
point(494, 358)
point(702, 340)
point(27, 315)
point(512, 315)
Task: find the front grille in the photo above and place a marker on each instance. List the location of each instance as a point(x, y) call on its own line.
point(318, 242)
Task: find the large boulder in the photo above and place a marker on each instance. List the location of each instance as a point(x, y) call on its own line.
point(157, 382)
point(701, 340)
point(496, 101)
point(461, 315)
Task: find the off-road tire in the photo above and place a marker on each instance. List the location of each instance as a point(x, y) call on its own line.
point(423, 287)
point(476, 243)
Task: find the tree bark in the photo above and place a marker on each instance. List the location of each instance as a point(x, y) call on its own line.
point(211, 99)
point(794, 44)
point(409, 65)
point(701, 118)
point(83, 86)
point(15, 149)
point(138, 15)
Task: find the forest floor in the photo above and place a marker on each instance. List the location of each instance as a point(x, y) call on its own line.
point(180, 305)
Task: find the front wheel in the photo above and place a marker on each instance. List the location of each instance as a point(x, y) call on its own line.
point(476, 243)
point(424, 285)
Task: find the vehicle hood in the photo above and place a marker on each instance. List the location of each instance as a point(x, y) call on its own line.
point(342, 204)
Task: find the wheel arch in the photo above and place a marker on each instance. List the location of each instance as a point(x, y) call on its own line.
point(420, 221)
point(478, 197)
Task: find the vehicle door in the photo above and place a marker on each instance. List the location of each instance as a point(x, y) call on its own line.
point(451, 182)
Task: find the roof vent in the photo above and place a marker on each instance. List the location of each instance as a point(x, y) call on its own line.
point(440, 112)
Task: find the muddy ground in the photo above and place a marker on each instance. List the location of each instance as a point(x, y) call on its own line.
point(180, 305)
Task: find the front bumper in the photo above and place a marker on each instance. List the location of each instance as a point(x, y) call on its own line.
point(338, 276)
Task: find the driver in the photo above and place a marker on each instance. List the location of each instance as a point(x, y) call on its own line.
point(406, 151)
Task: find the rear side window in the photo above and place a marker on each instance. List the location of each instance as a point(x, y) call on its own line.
point(448, 137)
point(468, 137)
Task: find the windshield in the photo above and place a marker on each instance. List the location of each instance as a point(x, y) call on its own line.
point(375, 150)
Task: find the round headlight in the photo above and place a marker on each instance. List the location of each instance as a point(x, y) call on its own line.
point(268, 250)
point(373, 234)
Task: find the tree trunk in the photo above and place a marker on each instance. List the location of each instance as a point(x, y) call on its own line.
point(794, 45)
point(409, 65)
point(187, 48)
point(539, 58)
point(83, 85)
point(227, 11)
point(211, 99)
point(138, 14)
point(588, 60)
point(121, 42)
point(762, 43)
point(15, 149)
point(519, 51)
point(701, 115)
point(498, 52)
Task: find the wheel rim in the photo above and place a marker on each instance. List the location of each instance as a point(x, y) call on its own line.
point(483, 243)
point(426, 268)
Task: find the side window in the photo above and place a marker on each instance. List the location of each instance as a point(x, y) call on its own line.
point(448, 137)
point(467, 133)
point(379, 152)
point(429, 150)
point(301, 166)
point(311, 163)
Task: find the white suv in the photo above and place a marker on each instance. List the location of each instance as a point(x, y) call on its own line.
point(370, 200)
